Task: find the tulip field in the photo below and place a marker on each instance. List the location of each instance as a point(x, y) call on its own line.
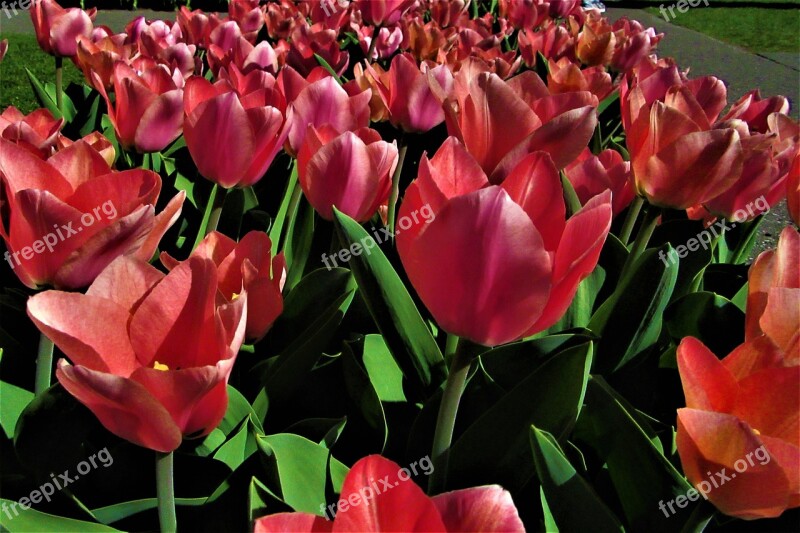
point(393, 265)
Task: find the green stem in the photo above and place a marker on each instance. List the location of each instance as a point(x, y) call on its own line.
point(446, 421)
point(372, 43)
point(291, 213)
point(630, 220)
point(59, 85)
point(396, 186)
point(166, 493)
point(642, 238)
point(211, 214)
point(44, 365)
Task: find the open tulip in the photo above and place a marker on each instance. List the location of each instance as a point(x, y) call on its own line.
point(404, 507)
point(507, 263)
point(37, 131)
point(351, 171)
point(247, 264)
point(500, 122)
point(383, 12)
point(70, 216)
point(232, 138)
point(590, 175)
point(57, 29)
point(148, 111)
point(565, 76)
point(754, 110)
point(99, 56)
point(741, 416)
point(150, 354)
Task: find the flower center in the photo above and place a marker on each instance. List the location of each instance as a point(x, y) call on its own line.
point(159, 366)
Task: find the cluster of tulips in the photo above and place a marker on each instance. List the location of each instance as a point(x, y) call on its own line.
point(525, 337)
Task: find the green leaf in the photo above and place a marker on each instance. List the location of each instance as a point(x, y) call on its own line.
point(641, 475)
point(566, 491)
point(607, 101)
point(116, 512)
point(258, 499)
point(384, 374)
point(393, 310)
point(13, 400)
point(33, 521)
point(496, 447)
point(630, 320)
point(694, 262)
point(45, 94)
point(292, 189)
point(579, 313)
point(326, 66)
point(300, 234)
point(361, 391)
point(570, 196)
point(713, 319)
point(301, 469)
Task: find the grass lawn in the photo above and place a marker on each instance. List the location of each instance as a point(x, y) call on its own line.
point(754, 28)
point(24, 52)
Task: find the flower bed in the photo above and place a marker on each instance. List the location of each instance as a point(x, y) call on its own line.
point(393, 266)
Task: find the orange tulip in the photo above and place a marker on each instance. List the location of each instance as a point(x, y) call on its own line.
point(37, 131)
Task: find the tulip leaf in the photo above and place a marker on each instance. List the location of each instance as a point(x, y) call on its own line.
point(384, 374)
point(570, 196)
point(301, 469)
point(579, 313)
point(641, 475)
point(607, 101)
point(713, 319)
point(695, 247)
point(292, 191)
point(568, 491)
point(393, 310)
point(496, 447)
point(258, 499)
point(116, 512)
point(13, 400)
point(299, 235)
point(630, 321)
point(361, 391)
point(46, 96)
point(15, 519)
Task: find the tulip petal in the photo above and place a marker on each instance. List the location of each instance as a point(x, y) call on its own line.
point(381, 513)
point(22, 170)
point(79, 163)
point(161, 223)
point(489, 509)
point(123, 406)
point(292, 523)
point(161, 122)
point(781, 321)
point(768, 401)
point(751, 356)
point(707, 384)
point(125, 281)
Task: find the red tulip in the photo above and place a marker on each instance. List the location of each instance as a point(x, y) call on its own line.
point(754, 110)
point(403, 506)
point(793, 190)
point(383, 12)
point(590, 175)
point(565, 76)
point(773, 299)
point(524, 14)
point(3, 49)
point(507, 263)
point(326, 102)
point(741, 417)
point(248, 15)
point(247, 264)
point(633, 43)
point(500, 122)
point(596, 41)
point(232, 138)
point(552, 40)
point(57, 29)
point(351, 171)
point(406, 92)
point(37, 132)
point(97, 141)
point(388, 41)
point(309, 41)
point(148, 111)
point(71, 215)
point(195, 25)
point(99, 57)
point(151, 354)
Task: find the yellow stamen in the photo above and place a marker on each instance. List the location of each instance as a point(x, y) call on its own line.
point(757, 432)
point(159, 366)
point(235, 295)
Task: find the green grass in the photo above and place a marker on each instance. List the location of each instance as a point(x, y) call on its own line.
point(24, 52)
point(754, 28)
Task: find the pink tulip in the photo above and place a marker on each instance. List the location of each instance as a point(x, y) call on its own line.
point(383, 12)
point(148, 111)
point(232, 138)
point(565, 76)
point(507, 263)
point(195, 25)
point(590, 175)
point(245, 265)
point(306, 41)
point(150, 354)
point(754, 110)
point(38, 131)
point(71, 215)
point(57, 29)
point(351, 171)
point(405, 507)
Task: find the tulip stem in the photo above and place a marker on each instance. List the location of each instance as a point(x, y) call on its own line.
point(166, 492)
point(396, 186)
point(217, 201)
point(44, 365)
point(649, 223)
point(59, 85)
point(446, 421)
point(373, 42)
point(630, 220)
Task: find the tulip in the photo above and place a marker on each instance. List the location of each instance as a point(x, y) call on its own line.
point(507, 263)
point(425, 40)
point(281, 19)
point(741, 416)
point(793, 191)
point(326, 102)
point(633, 43)
point(37, 132)
point(388, 41)
point(308, 41)
point(351, 171)
point(565, 76)
point(383, 12)
point(247, 264)
point(773, 299)
point(70, 216)
point(148, 112)
point(553, 41)
point(523, 14)
point(500, 122)
point(57, 29)
point(596, 41)
point(3, 49)
point(97, 141)
point(150, 354)
point(195, 25)
point(232, 138)
point(590, 175)
point(248, 15)
point(404, 507)
point(99, 57)
point(406, 92)
point(754, 110)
